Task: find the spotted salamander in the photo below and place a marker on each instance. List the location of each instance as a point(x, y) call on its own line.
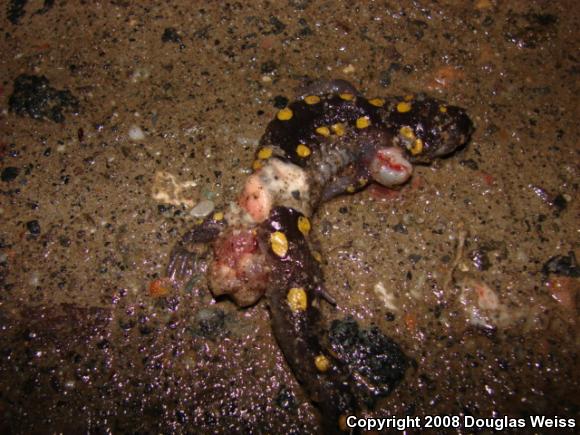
point(330, 141)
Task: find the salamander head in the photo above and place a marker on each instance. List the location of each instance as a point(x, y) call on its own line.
point(389, 167)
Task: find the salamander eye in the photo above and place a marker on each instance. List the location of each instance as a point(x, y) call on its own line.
point(389, 167)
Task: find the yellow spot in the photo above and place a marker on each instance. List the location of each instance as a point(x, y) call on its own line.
point(407, 132)
point(339, 129)
point(378, 102)
point(302, 150)
point(363, 122)
point(363, 181)
point(417, 147)
point(317, 256)
point(297, 299)
point(304, 225)
point(312, 99)
point(257, 164)
point(443, 109)
point(199, 221)
point(323, 131)
point(346, 96)
point(265, 153)
point(285, 114)
point(403, 107)
point(350, 189)
point(322, 363)
point(218, 216)
point(409, 97)
point(279, 243)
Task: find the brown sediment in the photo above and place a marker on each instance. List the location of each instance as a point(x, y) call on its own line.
point(84, 345)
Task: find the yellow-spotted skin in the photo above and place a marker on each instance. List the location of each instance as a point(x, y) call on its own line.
point(323, 131)
point(417, 147)
point(338, 129)
point(322, 363)
point(304, 225)
point(312, 99)
point(363, 122)
point(407, 132)
point(404, 107)
point(279, 243)
point(265, 153)
point(303, 150)
point(297, 299)
point(285, 114)
point(329, 142)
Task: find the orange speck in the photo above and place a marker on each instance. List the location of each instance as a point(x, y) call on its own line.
point(488, 179)
point(159, 287)
point(42, 47)
point(410, 321)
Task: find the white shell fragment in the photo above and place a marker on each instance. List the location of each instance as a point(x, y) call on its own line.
point(202, 209)
point(136, 134)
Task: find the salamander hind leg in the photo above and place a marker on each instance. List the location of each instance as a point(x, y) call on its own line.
point(190, 256)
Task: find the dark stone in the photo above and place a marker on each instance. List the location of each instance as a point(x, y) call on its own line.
point(268, 67)
point(33, 96)
point(480, 259)
point(9, 173)
point(280, 101)
point(277, 25)
point(16, 10)
point(400, 228)
point(210, 322)
point(563, 265)
point(470, 163)
point(170, 35)
point(560, 203)
point(378, 361)
point(33, 227)
point(285, 399)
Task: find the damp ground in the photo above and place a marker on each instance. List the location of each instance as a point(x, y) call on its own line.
point(471, 268)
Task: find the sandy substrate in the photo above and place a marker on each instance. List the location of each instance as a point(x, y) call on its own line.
point(455, 267)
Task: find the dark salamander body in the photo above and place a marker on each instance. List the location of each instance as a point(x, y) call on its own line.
point(328, 142)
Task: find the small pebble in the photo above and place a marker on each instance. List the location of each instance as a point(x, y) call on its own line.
point(136, 134)
point(33, 227)
point(202, 209)
point(9, 173)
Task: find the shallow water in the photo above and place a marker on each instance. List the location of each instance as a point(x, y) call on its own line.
point(451, 267)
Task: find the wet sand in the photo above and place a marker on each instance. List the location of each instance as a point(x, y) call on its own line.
point(98, 98)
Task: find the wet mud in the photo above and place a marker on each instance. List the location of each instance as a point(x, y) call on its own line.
point(470, 268)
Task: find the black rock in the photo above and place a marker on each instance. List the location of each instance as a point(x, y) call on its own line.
point(33, 96)
point(370, 355)
point(9, 173)
point(563, 265)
